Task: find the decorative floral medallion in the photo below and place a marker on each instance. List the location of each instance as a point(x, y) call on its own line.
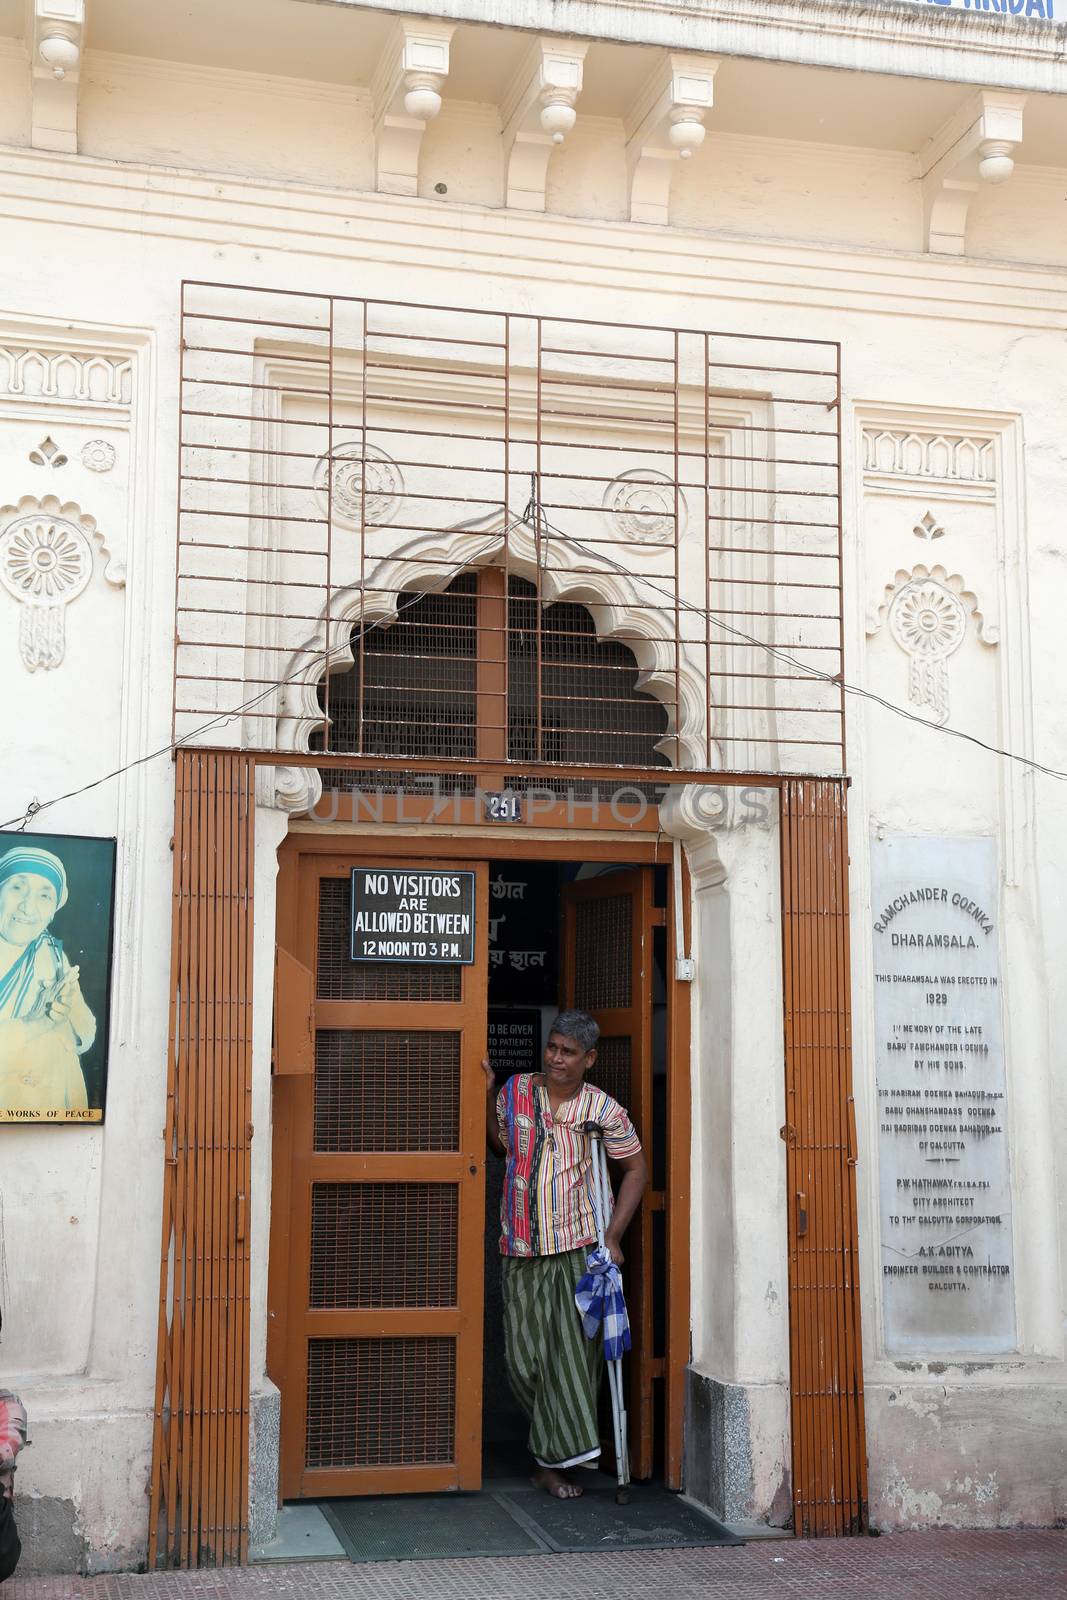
point(98, 455)
point(45, 563)
point(640, 505)
point(363, 485)
point(929, 624)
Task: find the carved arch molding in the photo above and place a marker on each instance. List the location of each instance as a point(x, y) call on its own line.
point(428, 564)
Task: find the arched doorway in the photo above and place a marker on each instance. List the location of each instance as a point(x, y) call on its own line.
point(379, 1226)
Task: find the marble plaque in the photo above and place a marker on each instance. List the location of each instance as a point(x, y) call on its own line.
point(946, 1229)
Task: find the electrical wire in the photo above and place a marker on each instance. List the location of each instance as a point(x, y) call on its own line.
point(791, 661)
point(221, 718)
point(534, 511)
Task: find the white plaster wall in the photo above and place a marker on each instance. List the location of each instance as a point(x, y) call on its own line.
point(14, 94)
point(587, 177)
point(779, 189)
point(739, 1282)
point(914, 331)
point(462, 149)
point(1024, 220)
point(135, 109)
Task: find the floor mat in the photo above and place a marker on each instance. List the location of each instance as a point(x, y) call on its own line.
point(428, 1527)
point(517, 1522)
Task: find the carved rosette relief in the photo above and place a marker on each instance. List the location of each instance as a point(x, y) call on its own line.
point(98, 455)
point(640, 506)
point(362, 484)
point(46, 562)
point(928, 613)
point(929, 623)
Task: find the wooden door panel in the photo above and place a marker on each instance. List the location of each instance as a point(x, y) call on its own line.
point(607, 967)
point(381, 1374)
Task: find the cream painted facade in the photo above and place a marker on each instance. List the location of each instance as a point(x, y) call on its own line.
point(256, 144)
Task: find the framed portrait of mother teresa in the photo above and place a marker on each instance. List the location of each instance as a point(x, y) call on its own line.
point(57, 896)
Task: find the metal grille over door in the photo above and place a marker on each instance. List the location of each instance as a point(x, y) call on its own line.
point(355, 467)
point(379, 1354)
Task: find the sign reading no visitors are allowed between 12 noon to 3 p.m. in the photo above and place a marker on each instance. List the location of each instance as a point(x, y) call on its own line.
point(421, 916)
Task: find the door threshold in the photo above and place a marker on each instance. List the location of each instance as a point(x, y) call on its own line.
point(302, 1533)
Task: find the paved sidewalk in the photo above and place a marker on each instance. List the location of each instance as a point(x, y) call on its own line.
point(911, 1566)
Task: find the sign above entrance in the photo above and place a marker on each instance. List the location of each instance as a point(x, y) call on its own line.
point(1004, 10)
point(422, 916)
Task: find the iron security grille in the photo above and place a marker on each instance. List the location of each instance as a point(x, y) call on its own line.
point(338, 977)
point(380, 1402)
point(603, 930)
point(386, 1090)
point(612, 1070)
point(383, 1244)
point(432, 539)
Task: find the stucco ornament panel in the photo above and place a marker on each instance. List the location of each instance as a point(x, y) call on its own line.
point(928, 613)
point(359, 485)
point(46, 563)
point(98, 455)
point(76, 377)
point(640, 505)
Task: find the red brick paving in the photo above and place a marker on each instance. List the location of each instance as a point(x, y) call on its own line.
point(1013, 1565)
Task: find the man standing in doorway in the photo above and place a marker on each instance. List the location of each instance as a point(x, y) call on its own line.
point(548, 1224)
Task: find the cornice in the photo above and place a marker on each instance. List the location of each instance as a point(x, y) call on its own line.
point(891, 36)
point(536, 253)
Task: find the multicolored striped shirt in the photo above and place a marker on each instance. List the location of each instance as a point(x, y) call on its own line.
point(547, 1204)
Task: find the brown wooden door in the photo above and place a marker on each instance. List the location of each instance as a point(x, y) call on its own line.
point(379, 1178)
point(607, 971)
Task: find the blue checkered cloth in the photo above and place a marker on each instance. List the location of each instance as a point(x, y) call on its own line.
point(600, 1302)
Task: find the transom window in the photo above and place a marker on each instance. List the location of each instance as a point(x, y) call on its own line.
point(484, 670)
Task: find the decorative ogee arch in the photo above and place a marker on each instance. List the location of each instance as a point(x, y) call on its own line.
point(429, 563)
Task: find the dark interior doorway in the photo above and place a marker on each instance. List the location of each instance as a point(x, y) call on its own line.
point(527, 987)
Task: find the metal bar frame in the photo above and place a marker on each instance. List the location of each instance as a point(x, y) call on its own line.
point(548, 390)
point(826, 1362)
point(199, 1483)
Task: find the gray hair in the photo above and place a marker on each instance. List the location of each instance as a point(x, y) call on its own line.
point(577, 1025)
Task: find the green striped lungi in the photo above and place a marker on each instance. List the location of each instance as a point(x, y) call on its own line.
point(553, 1369)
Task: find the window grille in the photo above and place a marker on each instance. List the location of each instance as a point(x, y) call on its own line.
point(572, 699)
point(660, 506)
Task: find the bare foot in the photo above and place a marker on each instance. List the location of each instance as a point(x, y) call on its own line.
point(555, 1484)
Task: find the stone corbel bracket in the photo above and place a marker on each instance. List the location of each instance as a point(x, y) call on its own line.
point(537, 114)
point(57, 29)
point(667, 125)
point(975, 146)
point(407, 95)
